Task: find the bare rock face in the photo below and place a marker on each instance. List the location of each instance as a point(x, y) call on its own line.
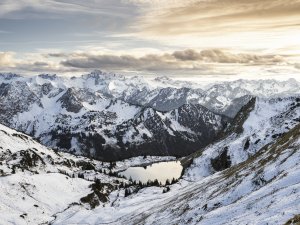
point(222, 162)
point(70, 101)
point(16, 97)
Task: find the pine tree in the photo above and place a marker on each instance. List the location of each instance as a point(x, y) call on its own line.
point(81, 175)
point(167, 182)
point(127, 192)
point(97, 181)
point(148, 183)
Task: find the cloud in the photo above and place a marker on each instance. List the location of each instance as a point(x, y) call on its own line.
point(123, 62)
point(30, 62)
point(6, 59)
point(178, 60)
point(159, 24)
point(215, 16)
point(46, 8)
point(219, 56)
point(297, 66)
point(209, 61)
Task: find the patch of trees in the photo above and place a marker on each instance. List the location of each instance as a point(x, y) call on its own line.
point(134, 186)
point(100, 193)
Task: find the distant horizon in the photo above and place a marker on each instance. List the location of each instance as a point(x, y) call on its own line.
point(202, 80)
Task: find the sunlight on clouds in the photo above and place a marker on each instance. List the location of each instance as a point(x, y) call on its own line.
point(221, 23)
point(6, 59)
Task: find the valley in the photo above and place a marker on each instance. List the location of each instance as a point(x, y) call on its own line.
point(241, 168)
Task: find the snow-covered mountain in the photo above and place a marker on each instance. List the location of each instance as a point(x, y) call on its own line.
point(251, 176)
point(248, 176)
point(88, 116)
point(112, 117)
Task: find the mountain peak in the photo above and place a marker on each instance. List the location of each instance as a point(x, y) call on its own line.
point(9, 76)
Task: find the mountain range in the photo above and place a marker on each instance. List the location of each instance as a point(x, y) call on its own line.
point(112, 117)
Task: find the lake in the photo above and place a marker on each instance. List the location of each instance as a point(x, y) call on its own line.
point(160, 171)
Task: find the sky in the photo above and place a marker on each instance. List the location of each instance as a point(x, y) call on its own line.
point(233, 38)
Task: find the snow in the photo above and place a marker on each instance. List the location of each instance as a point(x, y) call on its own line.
point(255, 193)
point(39, 196)
point(36, 194)
point(225, 101)
point(261, 187)
point(263, 122)
point(216, 199)
point(108, 101)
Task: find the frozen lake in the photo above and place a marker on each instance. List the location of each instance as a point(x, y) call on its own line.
point(160, 171)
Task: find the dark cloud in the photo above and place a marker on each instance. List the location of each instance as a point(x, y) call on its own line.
point(58, 55)
point(187, 59)
point(124, 62)
point(187, 55)
point(221, 56)
point(41, 64)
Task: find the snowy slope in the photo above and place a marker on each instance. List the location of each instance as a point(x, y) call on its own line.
point(269, 119)
point(32, 186)
point(254, 182)
point(37, 183)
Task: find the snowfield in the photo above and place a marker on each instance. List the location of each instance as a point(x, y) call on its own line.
point(34, 199)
